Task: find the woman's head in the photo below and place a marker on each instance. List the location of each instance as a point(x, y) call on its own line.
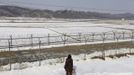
point(69, 56)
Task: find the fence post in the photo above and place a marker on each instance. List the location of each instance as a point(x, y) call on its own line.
point(48, 39)
point(32, 40)
point(64, 39)
point(104, 38)
point(93, 34)
point(11, 41)
point(85, 38)
point(117, 40)
point(123, 34)
point(80, 39)
point(114, 35)
point(132, 36)
point(9, 46)
point(39, 52)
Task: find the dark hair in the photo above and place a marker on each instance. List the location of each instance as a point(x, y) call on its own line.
point(69, 56)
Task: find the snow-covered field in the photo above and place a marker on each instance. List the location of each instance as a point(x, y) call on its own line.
point(62, 27)
point(25, 32)
point(122, 66)
point(54, 28)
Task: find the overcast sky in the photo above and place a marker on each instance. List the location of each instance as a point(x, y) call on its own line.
point(113, 6)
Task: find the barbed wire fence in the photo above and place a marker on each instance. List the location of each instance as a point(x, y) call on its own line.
point(38, 42)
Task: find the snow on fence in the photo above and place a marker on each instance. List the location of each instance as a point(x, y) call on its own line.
point(34, 42)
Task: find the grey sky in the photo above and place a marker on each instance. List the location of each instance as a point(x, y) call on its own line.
point(90, 5)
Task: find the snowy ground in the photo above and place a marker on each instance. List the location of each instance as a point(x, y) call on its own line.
point(24, 30)
point(60, 25)
point(122, 66)
point(83, 63)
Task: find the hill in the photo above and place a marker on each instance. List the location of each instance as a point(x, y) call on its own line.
point(15, 11)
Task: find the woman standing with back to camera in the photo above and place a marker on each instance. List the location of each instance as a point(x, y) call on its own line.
point(69, 65)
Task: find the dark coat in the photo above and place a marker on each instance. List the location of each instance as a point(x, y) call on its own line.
point(69, 65)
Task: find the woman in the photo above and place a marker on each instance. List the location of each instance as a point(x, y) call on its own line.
point(69, 65)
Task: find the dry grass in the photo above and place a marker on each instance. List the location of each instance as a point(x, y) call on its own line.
point(7, 54)
point(56, 52)
point(71, 49)
point(113, 56)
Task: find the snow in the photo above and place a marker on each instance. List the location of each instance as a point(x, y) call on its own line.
point(83, 63)
point(84, 30)
point(54, 28)
point(62, 26)
point(122, 26)
point(6, 32)
point(24, 32)
point(121, 66)
point(59, 26)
